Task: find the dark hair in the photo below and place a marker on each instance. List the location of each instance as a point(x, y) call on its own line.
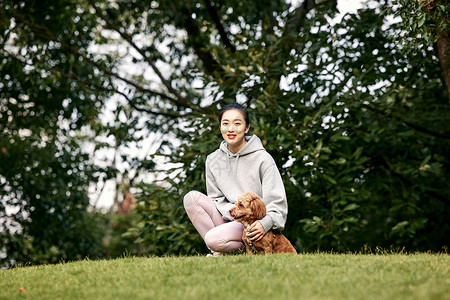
point(236, 106)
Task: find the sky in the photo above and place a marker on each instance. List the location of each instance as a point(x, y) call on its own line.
point(350, 6)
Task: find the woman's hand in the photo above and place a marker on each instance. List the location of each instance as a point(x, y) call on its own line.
point(255, 231)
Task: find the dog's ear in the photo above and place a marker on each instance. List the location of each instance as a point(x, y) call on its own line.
point(258, 207)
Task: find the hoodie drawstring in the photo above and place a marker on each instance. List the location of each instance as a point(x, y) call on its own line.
point(228, 159)
point(236, 164)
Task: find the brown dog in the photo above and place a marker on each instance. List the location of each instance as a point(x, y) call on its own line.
point(249, 208)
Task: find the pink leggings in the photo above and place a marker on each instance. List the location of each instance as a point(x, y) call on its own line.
point(218, 234)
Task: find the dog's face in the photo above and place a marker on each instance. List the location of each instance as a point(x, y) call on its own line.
point(248, 206)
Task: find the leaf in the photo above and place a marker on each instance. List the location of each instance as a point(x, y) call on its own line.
point(340, 161)
point(319, 146)
point(329, 179)
point(351, 206)
point(317, 220)
point(399, 226)
point(351, 220)
point(422, 20)
point(357, 153)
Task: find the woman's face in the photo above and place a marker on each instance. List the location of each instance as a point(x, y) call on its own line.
point(233, 129)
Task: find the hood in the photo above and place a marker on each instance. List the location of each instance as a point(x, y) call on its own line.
point(253, 144)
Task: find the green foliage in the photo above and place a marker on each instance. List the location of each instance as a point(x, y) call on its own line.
point(77, 238)
point(44, 173)
point(118, 241)
point(356, 119)
point(363, 147)
point(360, 134)
point(423, 21)
point(163, 227)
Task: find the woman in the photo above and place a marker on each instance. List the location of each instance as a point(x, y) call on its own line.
point(241, 164)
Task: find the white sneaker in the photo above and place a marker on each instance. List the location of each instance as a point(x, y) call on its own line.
point(214, 254)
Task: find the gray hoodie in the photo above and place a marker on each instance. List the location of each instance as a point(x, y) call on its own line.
point(252, 169)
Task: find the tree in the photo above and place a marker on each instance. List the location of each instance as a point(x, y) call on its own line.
point(361, 130)
point(357, 124)
point(47, 98)
point(427, 23)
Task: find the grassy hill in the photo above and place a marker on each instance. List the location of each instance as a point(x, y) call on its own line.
point(305, 276)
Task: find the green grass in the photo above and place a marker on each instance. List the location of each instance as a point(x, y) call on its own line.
point(304, 276)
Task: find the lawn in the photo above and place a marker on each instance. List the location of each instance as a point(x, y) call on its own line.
point(304, 276)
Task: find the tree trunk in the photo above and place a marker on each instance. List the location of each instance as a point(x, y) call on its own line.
point(444, 58)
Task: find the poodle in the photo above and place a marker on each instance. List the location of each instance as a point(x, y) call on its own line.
point(248, 208)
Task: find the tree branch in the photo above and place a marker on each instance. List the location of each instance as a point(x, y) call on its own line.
point(44, 33)
point(155, 113)
point(181, 100)
point(411, 183)
point(408, 123)
point(6, 36)
point(293, 24)
point(130, 101)
point(115, 75)
point(209, 63)
point(215, 17)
